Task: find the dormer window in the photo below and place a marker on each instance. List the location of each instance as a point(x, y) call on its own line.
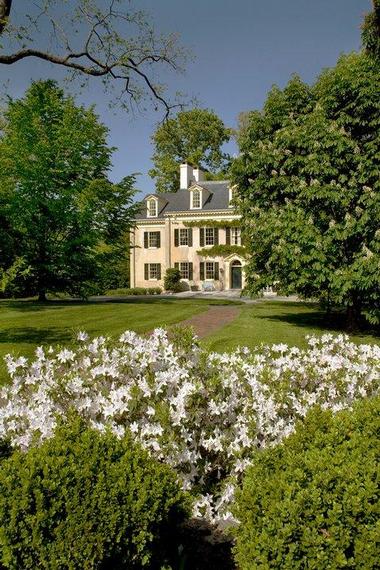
point(196, 197)
point(152, 208)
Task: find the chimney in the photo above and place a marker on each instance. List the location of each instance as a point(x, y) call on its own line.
point(186, 176)
point(198, 174)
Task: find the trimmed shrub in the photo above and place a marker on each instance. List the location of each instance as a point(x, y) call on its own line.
point(135, 291)
point(312, 502)
point(172, 280)
point(86, 499)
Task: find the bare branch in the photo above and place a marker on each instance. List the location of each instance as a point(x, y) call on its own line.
point(103, 48)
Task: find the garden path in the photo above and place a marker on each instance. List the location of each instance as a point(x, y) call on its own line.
point(211, 320)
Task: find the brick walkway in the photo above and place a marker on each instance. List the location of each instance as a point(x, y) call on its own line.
point(211, 320)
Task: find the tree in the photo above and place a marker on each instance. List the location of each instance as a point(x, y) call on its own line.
point(92, 39)
point(309, 188)
point(60, 204)
point(194, 136)
point(371, 31)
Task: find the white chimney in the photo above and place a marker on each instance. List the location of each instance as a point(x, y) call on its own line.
point(198, 174)
point(186, 176)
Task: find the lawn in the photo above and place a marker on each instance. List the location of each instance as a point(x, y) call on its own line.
point(280, 322)
point(27, 324)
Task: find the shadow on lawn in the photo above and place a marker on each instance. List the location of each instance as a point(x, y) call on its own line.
point(319, 320)
point(33, 336)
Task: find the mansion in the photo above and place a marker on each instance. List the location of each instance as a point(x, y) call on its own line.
point(195, 229)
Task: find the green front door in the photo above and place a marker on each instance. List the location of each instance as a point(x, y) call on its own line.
point(236, 277)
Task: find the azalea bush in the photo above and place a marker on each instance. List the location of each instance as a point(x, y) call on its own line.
point(312, 501)
point(202, 413)
point(85, 499)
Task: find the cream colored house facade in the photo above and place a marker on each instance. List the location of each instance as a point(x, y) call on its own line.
point(195, 229)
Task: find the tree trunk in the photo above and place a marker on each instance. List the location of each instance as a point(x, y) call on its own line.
point(353, 314)
point(42, 296)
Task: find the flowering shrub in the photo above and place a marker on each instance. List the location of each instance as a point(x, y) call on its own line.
point(201, 413)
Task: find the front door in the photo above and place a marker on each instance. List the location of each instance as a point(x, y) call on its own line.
point(236, 277)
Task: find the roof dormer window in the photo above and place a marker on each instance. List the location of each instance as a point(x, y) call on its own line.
point(196, 199)
point(231, 196)
point(152, 208)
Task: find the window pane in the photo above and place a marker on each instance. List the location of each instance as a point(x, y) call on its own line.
point(153, 270)
point(183, 237)
point(235, 236)
point(153, 239)
point(209, 236)
point(196, 199)
point(152, 208)
point(184, 270)
point(209, 270)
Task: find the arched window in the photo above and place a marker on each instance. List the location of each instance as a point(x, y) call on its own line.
point(195, 198)
point(152, 208)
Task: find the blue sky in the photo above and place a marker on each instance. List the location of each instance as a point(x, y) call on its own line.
point(240, 48)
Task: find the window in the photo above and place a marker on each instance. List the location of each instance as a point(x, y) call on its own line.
point(209, 236)
point(232, 195)
point(195, 198)
point(185, 269)
point(152, 208)
point(235, 236)
point(184, 236)
point(209, 270)
point(152, 271)
point(152, 239)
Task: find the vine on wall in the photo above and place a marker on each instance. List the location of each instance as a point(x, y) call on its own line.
point(222, 251)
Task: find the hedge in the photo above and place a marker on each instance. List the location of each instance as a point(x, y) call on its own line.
point(85, 499)
point(312, 502)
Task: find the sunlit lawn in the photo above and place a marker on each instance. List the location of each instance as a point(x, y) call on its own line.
point(280, 322)
point(24, 325)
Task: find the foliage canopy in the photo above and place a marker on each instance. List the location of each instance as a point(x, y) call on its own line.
point(194, 136)
point(63, 216)
point(310, 190)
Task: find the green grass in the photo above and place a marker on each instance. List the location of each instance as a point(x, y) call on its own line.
point(24, 325)
point(280, 322)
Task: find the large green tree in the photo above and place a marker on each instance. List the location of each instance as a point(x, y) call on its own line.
point(308, 175)
point(60, 210)
point(195, 136)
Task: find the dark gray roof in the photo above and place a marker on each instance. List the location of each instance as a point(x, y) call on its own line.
point(217, 199)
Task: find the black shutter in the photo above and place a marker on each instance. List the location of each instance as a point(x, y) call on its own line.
point(176, 238)
point(190, 271)
point(146, 239)
point(190, 237)
point(158, 239)
point(228, 236)
point(146, 271)
point(216, 236)
point(216, 271)
point(201, 237)
point(202, 270)
point(158, 270)
point(176, 265)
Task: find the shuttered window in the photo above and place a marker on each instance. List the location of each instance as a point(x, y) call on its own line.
point(152, 271)
point(186, 269)
point(152, 239)
point(209, 270)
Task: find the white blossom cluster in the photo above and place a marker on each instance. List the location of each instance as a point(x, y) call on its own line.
point(202, 413)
